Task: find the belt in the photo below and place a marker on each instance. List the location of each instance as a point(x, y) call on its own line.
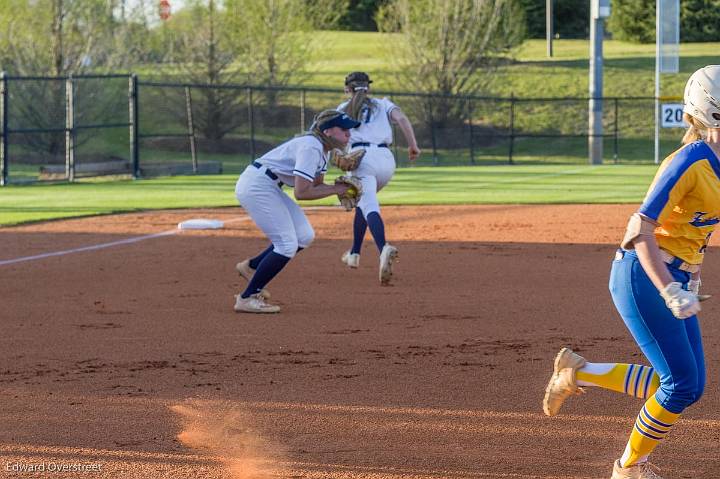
point(364, 143)
point(678, 263)
point(268, 173)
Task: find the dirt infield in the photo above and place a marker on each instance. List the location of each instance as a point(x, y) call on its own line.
point(127, 361)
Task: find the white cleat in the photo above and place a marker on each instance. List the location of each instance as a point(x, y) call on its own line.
point(388, 255)
point(562, 384)
point(247, 272)
point(643, 470)
point(254, 304)
point(351, 259)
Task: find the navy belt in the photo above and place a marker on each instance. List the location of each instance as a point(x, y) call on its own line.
point(364, 143)
point(268, 173)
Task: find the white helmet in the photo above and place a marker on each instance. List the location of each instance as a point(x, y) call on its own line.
point(702, 96)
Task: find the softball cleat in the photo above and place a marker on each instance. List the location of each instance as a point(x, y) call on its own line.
point(351, 259)
point(562, 384)
point(388, 255)
point(644, 470)
point(254, 304)
point(247, 272)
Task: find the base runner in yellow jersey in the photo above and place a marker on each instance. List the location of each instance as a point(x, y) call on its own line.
point(655, 284)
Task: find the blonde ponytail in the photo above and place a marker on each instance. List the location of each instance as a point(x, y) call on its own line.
point(695, 132)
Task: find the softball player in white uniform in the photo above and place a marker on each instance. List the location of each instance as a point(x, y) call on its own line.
point(375, 135)
point(300, 163)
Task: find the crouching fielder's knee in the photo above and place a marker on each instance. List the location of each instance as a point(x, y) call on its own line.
point(305, 237)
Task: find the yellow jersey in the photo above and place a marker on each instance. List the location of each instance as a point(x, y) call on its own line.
point(684, 199)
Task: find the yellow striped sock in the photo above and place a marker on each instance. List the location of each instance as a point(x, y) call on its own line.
point(651, 426)
point(633, 379)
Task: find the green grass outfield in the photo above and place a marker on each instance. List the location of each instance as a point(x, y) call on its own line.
point(410, 186)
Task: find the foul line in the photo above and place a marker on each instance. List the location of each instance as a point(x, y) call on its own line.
point(95, 247)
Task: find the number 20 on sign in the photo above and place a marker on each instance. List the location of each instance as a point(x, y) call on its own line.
point(672, 115)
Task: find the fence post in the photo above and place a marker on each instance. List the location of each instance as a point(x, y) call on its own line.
point(512, 127)
point(470, 124)
point(69, 129)
point(302, 110)
point(615, 133)
point(251, 119)
point(3, 130)
point(191, 129)
point(432, 135)
point(134, 126)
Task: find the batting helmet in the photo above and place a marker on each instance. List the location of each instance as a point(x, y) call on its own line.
point(702, 96)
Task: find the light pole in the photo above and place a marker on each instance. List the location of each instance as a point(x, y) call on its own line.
point(599, 10)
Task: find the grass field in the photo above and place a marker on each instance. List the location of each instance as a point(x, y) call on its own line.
point(628, 72)
point(549, 170)
point(410, 186)
point(629, 68)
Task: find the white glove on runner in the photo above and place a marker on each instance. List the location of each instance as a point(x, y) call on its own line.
point(683, 304)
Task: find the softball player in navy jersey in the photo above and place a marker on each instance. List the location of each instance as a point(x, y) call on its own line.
point(300, 163)
point(654, 283)
point(375, 135)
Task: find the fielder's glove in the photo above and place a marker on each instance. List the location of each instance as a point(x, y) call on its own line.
point(350, 198)
point(347, 161)
point(682, 303)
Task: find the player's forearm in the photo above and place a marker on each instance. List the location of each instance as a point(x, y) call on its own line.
point(648, 253)
point(315, 192)
point(407, 131)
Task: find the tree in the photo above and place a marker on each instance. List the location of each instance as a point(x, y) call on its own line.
point(221, 43)
point(360, 15)
point(450, 47)
point(58, 38)
point(327, 14)
point(572, 18)
point(700, 20)
point(199, 51)
point(275, 40)
point(633, 20)
point(535, 16)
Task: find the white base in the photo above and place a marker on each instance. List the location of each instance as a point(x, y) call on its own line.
point(200, 224)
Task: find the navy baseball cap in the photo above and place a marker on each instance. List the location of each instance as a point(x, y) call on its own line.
point(341, 120)
point(361, 77)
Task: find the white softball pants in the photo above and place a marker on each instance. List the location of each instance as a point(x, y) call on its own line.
point(274, 212)
point(375, 171)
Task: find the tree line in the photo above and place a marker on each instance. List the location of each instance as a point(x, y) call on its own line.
point(442, 47)
point(631, 20)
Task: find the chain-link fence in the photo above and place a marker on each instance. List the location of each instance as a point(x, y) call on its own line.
point(70, 127)
point(63, 127)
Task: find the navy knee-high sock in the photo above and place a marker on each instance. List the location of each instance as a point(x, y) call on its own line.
point(359, 229)
point(377, 229)
point(268, 268)
point(254, 262)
